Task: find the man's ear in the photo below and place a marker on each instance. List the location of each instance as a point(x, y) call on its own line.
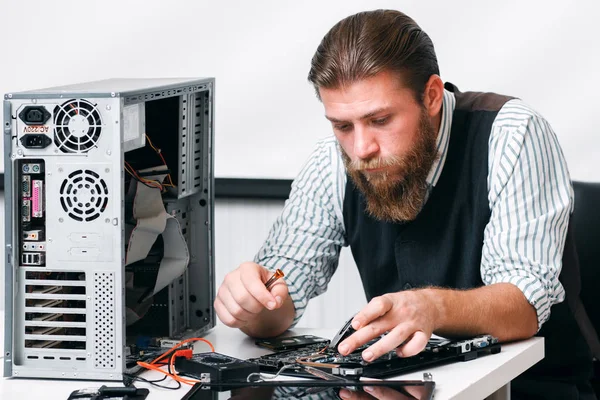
point(433, 96)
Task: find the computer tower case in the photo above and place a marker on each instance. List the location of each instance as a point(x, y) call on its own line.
point(85, 165)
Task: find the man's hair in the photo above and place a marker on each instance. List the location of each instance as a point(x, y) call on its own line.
point(364, 44)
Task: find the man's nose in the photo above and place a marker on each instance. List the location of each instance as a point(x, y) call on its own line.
point(365, 143)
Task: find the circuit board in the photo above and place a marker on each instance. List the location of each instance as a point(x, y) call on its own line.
point(436, 352)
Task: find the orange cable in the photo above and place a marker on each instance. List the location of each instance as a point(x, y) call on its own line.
point(153, 365)
point(152, 183)
point(159, 152)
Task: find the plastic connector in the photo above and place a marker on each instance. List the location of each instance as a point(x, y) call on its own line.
point(187, 353)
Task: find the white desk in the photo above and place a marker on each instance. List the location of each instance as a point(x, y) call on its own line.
point(476, 379)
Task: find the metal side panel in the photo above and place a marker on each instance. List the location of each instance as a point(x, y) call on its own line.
point(202, 262)
point(8, 226)
point(194, 130)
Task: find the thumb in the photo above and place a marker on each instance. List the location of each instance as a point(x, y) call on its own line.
point(280, 291)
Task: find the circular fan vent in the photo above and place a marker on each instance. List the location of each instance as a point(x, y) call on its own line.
point(77, 126)
point(84, 195)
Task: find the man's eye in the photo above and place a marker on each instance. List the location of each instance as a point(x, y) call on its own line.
point(380, 121)
point(342, 128)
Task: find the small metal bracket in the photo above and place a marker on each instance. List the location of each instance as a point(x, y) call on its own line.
point(205, 378)
point(7, 120)
point(427, 376)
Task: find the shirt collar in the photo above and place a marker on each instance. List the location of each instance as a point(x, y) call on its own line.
point(443, 138)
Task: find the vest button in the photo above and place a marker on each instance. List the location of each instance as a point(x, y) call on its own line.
point(407, 286)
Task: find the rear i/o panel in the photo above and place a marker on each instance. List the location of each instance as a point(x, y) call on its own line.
point(33, 220)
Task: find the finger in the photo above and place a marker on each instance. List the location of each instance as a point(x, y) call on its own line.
point(376, 308)
point(414, 345)
point(416, 391)
point(388, 343)
point(364, 335)
point(243, 297)
point(225, 316)
point(252, 281)
point(352, 395)
point(385, 393)
point(280, 291)
point(233, 307)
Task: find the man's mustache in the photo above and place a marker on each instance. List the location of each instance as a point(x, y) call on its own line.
point(360, 165)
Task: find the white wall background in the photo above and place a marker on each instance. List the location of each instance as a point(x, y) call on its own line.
point(267, 117)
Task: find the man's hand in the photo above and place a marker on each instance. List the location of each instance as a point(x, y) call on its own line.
point(243, 295)
point(408, 316)
point(382, 393)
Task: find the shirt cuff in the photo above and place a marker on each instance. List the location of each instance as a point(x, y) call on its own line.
point(535, 292)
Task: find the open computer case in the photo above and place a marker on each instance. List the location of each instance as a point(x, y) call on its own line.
point(109, 222)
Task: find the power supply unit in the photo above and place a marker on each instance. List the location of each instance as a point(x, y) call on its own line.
point(109, 223)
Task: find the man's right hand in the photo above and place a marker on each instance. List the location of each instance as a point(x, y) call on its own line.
point(243, 296)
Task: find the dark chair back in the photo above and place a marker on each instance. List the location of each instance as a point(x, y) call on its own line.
point(586, 229)
point(585, 223)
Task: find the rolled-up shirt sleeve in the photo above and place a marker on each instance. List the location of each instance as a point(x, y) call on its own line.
point(531, 199)
point(306, 238)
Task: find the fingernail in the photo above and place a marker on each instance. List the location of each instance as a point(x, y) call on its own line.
point(355, 325)
point(398, 353)
point(344, 394)
point(279, 300)
point(367, 355)
point(271, 305)
point(343, 348)
point(368, 389)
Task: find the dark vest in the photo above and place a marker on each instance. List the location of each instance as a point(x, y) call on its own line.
point(443, 245)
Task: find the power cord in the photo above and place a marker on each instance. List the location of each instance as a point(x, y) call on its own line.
point(133, 378)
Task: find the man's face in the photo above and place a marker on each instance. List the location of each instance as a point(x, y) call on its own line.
point(388, 143)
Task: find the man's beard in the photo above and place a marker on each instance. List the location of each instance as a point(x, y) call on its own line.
point(397, 198)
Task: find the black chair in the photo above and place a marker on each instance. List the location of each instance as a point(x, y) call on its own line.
point(586, 230)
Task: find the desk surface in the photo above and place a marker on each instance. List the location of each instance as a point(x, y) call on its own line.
point(474, 379)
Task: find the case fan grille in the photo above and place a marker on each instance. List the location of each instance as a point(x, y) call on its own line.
point(84, 195)
point(77, 126)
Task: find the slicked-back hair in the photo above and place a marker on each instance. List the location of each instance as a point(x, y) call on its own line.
point(364, 44)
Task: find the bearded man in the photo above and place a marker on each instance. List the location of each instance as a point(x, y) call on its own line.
point(455, 205)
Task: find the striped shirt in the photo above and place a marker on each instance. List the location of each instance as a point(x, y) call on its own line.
point(530, 198)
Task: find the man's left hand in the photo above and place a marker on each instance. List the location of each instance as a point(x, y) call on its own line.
point(409, 317)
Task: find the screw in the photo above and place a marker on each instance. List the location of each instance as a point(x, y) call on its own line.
point(20, 152)
point(107, 220)
point(108, 107)
point(60, 170)
point(34, 101)
point(112, 94)
point(107, 170)
point(61, 220)
point(10, 95)
point(108, 152)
